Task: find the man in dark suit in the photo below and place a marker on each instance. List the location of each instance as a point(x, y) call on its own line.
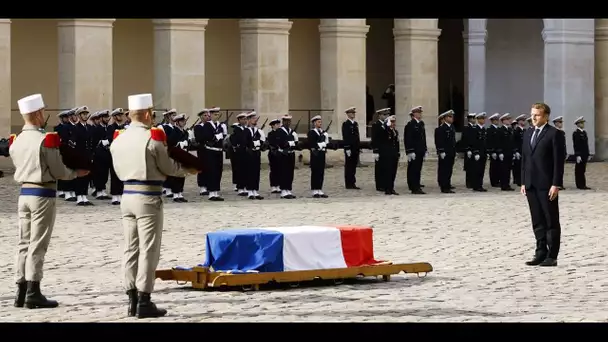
point(542, 174)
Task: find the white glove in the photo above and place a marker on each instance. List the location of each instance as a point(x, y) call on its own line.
point(411, 156)
point(295, 136)
point(477, 157)
point(322, 145)
point(219, 136)
point(225, 129)
point(442, 155)
point(376, 157)
point(256, 143)
point(578, 160)
point(292, 143)
point(469, 154)
point(501, 157)
point(262, 135)
point(191, 135)
point(326, 135)
point(105, 142)
point(494, 156)
point(183, 144)
point(517, 155)
point(589, 158)
point(348, 153)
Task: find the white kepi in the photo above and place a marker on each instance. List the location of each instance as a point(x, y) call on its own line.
point(30, 104)
point(140, 102)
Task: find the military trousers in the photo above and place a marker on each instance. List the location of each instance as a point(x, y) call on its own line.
point(273, 164)
point(36, 212)
point(445, 168)
point(253, 167)
point(201, 177)
point(142, 220)
point(580, 180)
point(317, 169)
point(116, 185)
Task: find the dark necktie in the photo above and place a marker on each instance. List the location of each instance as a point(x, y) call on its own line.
point(535, 137)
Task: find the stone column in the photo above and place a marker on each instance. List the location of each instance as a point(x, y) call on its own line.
point(179, 65)
point(5, 78)
point(416, 72)
point(475, 39)
point(569, 73)
point(85, 63)
point(265, 66)
point(601, 89)
point(343, 70)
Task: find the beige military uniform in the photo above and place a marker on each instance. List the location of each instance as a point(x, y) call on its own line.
point(142, 164)
point(37, 169)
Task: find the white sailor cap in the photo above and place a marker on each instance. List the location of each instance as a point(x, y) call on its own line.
point(275, 121)
point(235, 124)
point(558, 119)
point(105, 112)
point(383, 111)
point(95, 115)
point(351, 110)
point(444, 114)
point(315, 118)
point(529, 119)
point(417, 109)
point(65, 113)
point(471, 115)
point(181, 116)
point(30, 104)
point(205, 110)
point(214, 109)
point(480, 115)
point(82, 110)
point(505, 116)
point(140, 102)
point(242, 115)
point(117, 111)
point(521, 117)
point(252, 115)
point(494, 116)
point(579, 119)
point(170, 111)
point(286, 117)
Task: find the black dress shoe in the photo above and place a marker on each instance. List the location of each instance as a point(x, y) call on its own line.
point(480, 190)
point(380, 189)
point(243, 194)
point(418, 192)
point(421, 185)
point(216, 199)
point(204, 193)
point(353, 187)
point(323, 196)
point(258, 197)
point(71, 199)
point(115, 203)
point(251, 197)
point(550, 262)
point(316, 196)
point(536, 261)
point(447, 191)
point(507, 189)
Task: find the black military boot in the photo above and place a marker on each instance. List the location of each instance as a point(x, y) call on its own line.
point(132, 293)
point(20, 296)
point(35, 299)
point(147, 309)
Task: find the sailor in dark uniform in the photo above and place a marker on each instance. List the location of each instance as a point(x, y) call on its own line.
point(180, 139)
point(580, 143)
point(83, 141)
point(273, 164)
point(238, 156)
point(518, 138)
point(351, 139)
point(506, 151)
point(233, 160)
point(254, 141)
point(465, 147)
point(213, 134)
point(63, 129)
point(317, 144)
point(201, 177)
point(285, 141)
point(558, 122)
point(479, 152)
point(377, 140)
point(414, 138)
point(116, 185)
point(529, 122)
point(102, 157)
point(493, 149)
point(445, 143)
point(167, 126)
point(69, 137)
point(389, 154)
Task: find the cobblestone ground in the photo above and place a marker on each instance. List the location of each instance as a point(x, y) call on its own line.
point(477, 244)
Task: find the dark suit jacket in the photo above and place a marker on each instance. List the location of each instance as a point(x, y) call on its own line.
point(543, 165)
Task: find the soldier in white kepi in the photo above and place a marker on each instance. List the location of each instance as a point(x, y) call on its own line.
point(38, 166)
point(142, 162)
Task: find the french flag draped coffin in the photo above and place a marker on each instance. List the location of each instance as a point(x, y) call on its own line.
point(279, 249)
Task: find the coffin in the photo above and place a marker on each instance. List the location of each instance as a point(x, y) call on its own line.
point(280, 249)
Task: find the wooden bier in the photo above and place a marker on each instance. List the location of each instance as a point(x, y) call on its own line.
point(202, 278)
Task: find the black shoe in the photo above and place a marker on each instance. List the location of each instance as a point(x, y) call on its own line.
point(115, 202)
point(447, 191)
point(584, 188)
point(20, 296)
point(81, 204)
point(71, 199)
point(204, 193)
point(480, 189)
point(323, 196)
point(35, 299)
point(507, 189)
point(258, 197)
point(243, 194)
point(146, 308)
point(132, 302)
point(536, 261)
point(549, 262)
point(380, 189)
point(418, 192)
point(216, 199)
point(452, 187)
point(61, 196)
point(316, 196)
point(353, 187)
